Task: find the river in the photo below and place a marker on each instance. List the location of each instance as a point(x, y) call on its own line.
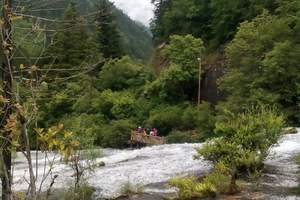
point(151, 167)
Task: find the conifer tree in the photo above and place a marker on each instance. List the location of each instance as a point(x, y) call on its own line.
point(108, 36)
point(73, 57)
point(72, 48)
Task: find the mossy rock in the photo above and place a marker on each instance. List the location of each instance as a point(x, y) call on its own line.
point(290, 130)
point(101, 164)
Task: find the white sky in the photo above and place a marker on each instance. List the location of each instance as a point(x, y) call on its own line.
point(139, 10)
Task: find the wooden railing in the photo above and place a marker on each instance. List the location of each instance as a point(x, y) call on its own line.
point(146, 139)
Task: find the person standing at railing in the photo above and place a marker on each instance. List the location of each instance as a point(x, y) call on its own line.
point(140, 130)
point(153, 132)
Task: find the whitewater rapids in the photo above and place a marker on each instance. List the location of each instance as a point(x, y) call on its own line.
point(140, 167)
point(151, 166)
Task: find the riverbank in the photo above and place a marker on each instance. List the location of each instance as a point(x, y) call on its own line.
point(151, 167)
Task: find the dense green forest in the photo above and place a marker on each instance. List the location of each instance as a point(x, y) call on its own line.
point(135, 38)
point(95, 85)
point(87, 68)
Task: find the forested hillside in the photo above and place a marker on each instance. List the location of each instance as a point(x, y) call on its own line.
point(256, 43)
point(136, 40)
point(76, 76)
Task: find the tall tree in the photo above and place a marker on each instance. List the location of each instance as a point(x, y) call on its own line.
point(215, 21)
point(108, 36)
point(263, 65)
point(178, 82)
point(7, 78)
point(72, 48)
point(74, 57)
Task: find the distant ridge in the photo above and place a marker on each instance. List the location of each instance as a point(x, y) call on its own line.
point(136, 39)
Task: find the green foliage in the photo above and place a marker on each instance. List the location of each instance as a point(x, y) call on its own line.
point(215, 21)
point(136, 38)
point(296, 190)
point(186, 187)
point(129, 189)
point(184, 137)
point(184, 123)
point(184, 51)
point(297, 159)
point(115, 105)
point(196, 124)
point(70, 54)
point(108, 36)
point(86, 126)
point(72, 47)
point(116, 134)
point(181, 17)
point(165, 118)
point(107, 100)
point(228, 14)
point(120, 74)
point(178, 82)
point(171, 85)
point(219, 178)
point(262, 66)
point(216, 182)
point(202, 119)
point(29, 46)
point(19, 195)
point(84, 192)
point(246, 138)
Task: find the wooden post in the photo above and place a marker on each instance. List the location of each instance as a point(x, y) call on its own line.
point(7, 80)
point(199, 82)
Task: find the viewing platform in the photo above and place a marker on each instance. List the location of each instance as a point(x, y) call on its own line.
point(143, 138)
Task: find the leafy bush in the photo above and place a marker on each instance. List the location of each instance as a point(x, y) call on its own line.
point(87, 126)
point(165, 119)
point(172, 85)
point(201, 119)
point(129, 189)
point(120, 74)
point(143, 107)
point(178, 81)
point(216, 182)
point(184, 50)
point(296, 190)
point(84, 192)
point(246, 138)
point(184, 137)
point(186, 187)
point(115, 105)
point(116, 134)
point(184, 123)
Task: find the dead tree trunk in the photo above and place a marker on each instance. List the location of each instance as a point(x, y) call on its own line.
point(7, 79)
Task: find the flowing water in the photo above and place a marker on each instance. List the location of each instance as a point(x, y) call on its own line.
point(151, 167)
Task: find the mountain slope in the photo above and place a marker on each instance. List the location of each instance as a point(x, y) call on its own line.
point(136, 40)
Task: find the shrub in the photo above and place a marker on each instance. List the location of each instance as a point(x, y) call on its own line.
point(184, 123)
point(184, 137)
point(201, 119)
point(128, 189)
point(119, 74)
point(87, 126)
point(165, 119)
point(116, 105)
point(186, 187)
point(246, 138)
point(216, 182)
point(296, 190)
point(116, 134)
point(84, 192)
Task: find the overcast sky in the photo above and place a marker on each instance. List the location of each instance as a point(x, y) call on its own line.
point(139, 10)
